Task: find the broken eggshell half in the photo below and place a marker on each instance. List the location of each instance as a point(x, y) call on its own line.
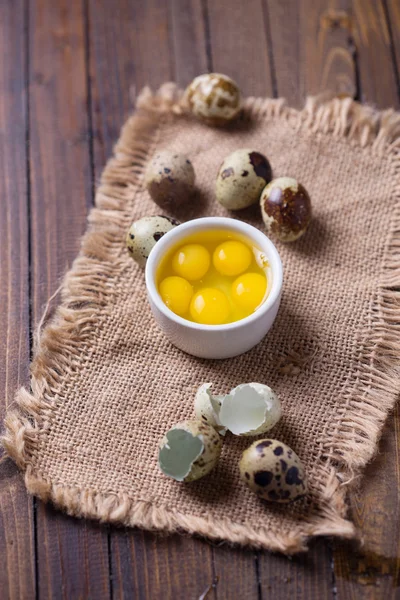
point(189, 451)
point(207, 407)
point(249, 409)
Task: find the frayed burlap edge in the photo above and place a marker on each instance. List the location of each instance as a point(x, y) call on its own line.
point(347, 448)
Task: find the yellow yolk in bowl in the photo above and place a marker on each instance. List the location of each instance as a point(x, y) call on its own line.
point(176, 293)
point(192, 261)
point(225, 289)
point(210, 307)
point(232, 258)
point(248, 290)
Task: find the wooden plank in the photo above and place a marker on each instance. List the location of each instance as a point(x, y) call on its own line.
point(359, 32)
point(312, 48)
point(372, 570)
point(236, 572)
point(392, 10)
point(146, 565)
point(306, 576)
point(239, 46)
point(319, 46)
point(129, 49)
point(17, 575)
point(189, 40)
point(123, 53)
point(126, 30)
point(72, 555)
point(374, 53)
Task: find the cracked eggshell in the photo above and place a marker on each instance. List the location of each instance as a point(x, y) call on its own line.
point(250, 409)
point(214, 98)
point(169, 179)
point(189, 451)
point(206, 407)
point(285, 208)
point(273, 471)
point(144, 234)
point(241, 179)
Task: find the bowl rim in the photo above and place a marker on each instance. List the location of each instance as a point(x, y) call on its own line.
point(203, 223)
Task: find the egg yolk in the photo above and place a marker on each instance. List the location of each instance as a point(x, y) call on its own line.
point(248, 290)
point(176, 293)
point(191, 261)
point(232, 258)
point(210, 306)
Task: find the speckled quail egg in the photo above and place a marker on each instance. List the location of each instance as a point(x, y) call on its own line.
point(286, 208)
point(144, 234)
point(241, 178)
point(189, 450)
point(214, 99)
point(249, 409)
point(273, 471)
point(169, 179)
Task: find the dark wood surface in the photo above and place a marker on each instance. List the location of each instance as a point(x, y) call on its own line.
point(68, 72)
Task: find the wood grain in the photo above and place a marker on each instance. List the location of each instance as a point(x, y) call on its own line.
point(236, 573)
point(374, 52)
point(189, 40)
point(17, 575)
point(285, 48)
point(355, 31)
point(302, 577)
point(372, 569)
point(130, 47)
point(72, 555)
point(350, 32)
point(392, 14)
point(312, 48)
point(147, 565)
point(239, 45)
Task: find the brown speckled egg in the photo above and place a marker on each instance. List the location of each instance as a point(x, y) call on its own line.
point(273, 471)
point(286, 209)
point(214, 99)
point(189, 451)
point(144, 234)
point(169, 179)
point(241, 178)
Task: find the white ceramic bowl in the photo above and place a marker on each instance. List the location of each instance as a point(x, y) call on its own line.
point(215, 341)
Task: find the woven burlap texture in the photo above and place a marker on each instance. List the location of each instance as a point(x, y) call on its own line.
point(106, 384)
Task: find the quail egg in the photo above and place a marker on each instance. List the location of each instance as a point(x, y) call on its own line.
point(273, 471)
point(214, 99)
point(169, 179)
point(249, 409)
point(241, 178)
point(286, 208)
point(189, 450)
point(144, 234)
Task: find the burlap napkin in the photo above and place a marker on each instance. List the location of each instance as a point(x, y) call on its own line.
point(106, 384)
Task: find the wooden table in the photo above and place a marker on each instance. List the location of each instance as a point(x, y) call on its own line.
point(68, 69)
